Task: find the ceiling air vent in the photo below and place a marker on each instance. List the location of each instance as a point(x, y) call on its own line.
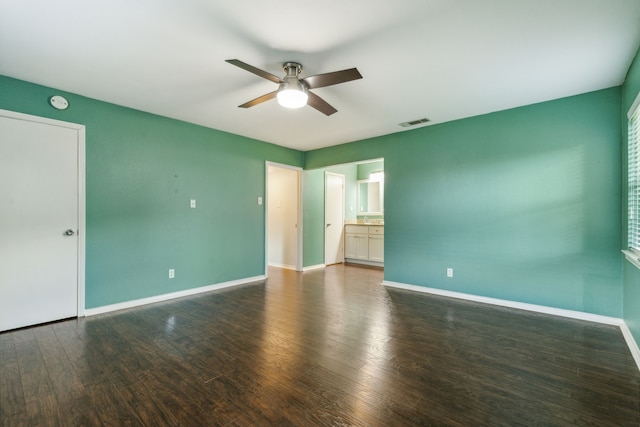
point(414, 122)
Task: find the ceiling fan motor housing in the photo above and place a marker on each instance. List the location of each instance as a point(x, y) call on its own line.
point(292, 69)
point(292, 77)
point(293, 93)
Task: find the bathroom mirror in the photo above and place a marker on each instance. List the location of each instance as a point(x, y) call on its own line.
point(370, 197)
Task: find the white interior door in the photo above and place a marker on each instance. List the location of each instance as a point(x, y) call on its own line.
point(39, 221)
point(334, 218)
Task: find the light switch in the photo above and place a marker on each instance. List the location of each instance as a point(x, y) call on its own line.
point(193, 203)
point(259, 200)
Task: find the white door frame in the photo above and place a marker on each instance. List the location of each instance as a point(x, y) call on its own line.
point(326, 175)
point(81, 192)
point(299, 254)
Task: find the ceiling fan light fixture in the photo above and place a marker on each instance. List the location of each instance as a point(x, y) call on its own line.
point(292, 95)
point(295, 92)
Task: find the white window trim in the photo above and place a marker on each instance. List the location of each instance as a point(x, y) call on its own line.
point(632, 255)
point(634, 106)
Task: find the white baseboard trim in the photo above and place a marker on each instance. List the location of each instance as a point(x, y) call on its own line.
point(363, 262)
point(285, 266)
point(165, 297)
point(511, 304)
point(573, 314)
point(313, 267)
point(633, 345)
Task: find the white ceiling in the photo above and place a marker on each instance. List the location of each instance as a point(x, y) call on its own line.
point(441, 59)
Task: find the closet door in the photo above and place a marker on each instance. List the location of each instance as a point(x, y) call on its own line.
point(39, 221)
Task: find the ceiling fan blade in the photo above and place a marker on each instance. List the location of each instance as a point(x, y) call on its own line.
point(259, 100)
point(254, 70)
point(320, 104)
point(334, 78)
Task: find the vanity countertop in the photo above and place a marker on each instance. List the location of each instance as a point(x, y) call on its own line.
point(376, 222)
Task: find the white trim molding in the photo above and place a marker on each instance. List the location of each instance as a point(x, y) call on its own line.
point(285, 266)
point(632, 256)
point(511, 304)
point(631, 342)
point(363, 262)
point(573, 314)
point(634, 106)
point(314, 267)
point(173, 295)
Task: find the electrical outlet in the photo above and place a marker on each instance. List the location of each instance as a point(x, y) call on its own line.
point(449, 272)
point(172, 273)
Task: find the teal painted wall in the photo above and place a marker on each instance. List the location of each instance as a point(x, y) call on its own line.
point(365, 169)
point(523, 204)
point(313, 209)
point(142, 169)
point(350, 173)
point(313, 217)
point(631, 290)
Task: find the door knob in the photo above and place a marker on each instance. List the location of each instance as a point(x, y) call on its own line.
point(69, 232)
point(328, 225)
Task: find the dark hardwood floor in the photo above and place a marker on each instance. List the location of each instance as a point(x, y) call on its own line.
point(327, 347)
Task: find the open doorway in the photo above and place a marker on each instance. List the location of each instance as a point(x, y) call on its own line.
point(283, 217)
point(361, 203)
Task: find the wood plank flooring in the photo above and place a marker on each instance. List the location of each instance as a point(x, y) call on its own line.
point(327, 347)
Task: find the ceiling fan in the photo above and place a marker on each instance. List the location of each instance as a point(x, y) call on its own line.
point(293, 91)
